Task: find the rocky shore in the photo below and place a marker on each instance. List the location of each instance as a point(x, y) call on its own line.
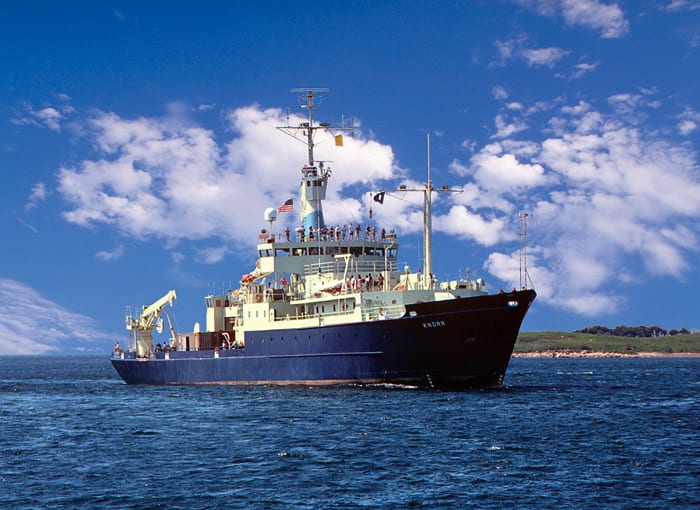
point(595, 354)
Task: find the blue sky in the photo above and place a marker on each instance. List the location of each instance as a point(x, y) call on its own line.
point(138, 150)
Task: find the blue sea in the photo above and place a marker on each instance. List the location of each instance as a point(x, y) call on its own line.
point(563, 433)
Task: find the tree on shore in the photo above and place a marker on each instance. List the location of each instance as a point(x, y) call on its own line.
point(632, 331)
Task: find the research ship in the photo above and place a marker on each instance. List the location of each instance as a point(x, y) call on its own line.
point(329, 305)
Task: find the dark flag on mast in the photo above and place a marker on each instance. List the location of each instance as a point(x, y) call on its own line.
point(288, 206)
point(379, 198)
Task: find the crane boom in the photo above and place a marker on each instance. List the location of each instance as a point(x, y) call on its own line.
point(142, 327)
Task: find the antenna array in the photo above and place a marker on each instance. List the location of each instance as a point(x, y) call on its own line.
point(524, 276)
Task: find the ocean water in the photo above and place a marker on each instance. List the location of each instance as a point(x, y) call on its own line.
point(563, 433)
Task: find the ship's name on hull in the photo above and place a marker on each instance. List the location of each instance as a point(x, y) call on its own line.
point(434, 324)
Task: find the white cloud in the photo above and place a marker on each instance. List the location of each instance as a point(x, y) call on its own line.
point(583, 68)
point(546, 57)
point(212, 255)
point(496, 170)
point(499, 93)
point(579, 109)
point(608, 19)
point(687, 126)
point(604, 197)
point(507, 49)
point(504, 129)
point(49, 117)
point(32, 324)
point(682, 5)
point(464, 224)
point(624, 192)
point(628, 103)
point(688, 121)
point(173, 180)
point(37, 195)
point(534, 57)
point(113, 254)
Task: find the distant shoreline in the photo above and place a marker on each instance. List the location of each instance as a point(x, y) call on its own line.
point(597, 354)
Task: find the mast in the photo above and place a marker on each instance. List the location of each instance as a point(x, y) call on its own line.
point(524, 276)
point(308, 95)
point(428, 226)
point(427, 191)
point(314, 178)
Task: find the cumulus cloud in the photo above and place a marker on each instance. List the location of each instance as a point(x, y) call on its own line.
point(630, 102)
point(499, 93)
point(48, 116)
point(495, 169)
point(33, 324)
point(546, 57)
point(534, 57)
point(603, 194)
point(463, 223)
point(113, 254)
point(505, 128)
point(583, 68)
point(174, 180)
point(608, 19)
point(688, 121)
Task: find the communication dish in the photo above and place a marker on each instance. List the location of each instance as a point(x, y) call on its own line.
point(270, 214)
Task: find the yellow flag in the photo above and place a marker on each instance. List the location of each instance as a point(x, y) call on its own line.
point(338, 140)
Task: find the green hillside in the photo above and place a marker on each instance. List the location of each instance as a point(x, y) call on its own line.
point(576, 342)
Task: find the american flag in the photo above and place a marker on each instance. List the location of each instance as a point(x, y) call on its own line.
point(288, 206)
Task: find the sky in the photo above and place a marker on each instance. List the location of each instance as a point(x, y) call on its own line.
point(139, 150)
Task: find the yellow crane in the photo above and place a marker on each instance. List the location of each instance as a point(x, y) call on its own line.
point(142, 327)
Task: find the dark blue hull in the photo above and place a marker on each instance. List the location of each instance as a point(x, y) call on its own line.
point(456, 343)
